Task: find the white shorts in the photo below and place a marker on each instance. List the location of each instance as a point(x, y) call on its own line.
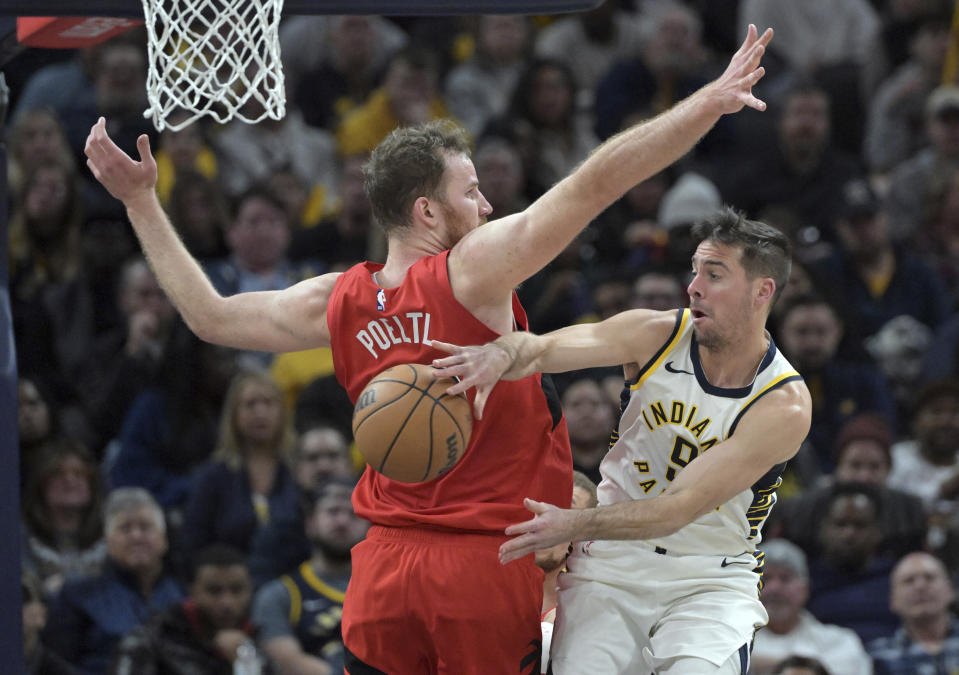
point(620, 599)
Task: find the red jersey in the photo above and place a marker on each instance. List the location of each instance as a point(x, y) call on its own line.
point(519, 449)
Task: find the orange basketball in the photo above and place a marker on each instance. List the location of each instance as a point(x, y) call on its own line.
point(407, 427)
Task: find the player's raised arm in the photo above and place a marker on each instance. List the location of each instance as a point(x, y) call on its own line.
point(631, 336)
point(288, 320)
point(769, 434)
point(494, 258)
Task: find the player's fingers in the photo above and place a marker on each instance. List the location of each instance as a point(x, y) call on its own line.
point(514, 549)
point(535, 506)
point(519, 528)
point(479, 402)
point(447, 347)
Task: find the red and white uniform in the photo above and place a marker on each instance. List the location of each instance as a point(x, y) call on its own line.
point(519, 449)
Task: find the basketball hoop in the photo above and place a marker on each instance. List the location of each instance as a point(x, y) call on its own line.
point(219, 58)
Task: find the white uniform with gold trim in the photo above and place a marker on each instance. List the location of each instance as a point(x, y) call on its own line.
point(693, 593)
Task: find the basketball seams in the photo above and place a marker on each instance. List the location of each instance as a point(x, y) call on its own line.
point(399, 432)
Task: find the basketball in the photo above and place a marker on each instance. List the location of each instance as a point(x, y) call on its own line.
point(406, 426)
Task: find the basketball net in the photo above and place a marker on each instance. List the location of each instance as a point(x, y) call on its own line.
point(219, 58)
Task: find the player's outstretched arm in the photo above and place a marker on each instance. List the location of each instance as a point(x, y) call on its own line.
point(288, 320)
point(768, 434)
point(629, 336)
point(494, 258)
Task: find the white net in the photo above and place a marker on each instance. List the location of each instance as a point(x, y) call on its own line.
point(219, 58)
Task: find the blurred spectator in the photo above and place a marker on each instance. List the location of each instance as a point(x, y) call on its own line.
point(478, 89)
point(499, 169)
point(800, 665)
point(38, 423)
point(36, 138)
point(801, 171)
point(862, 456)
point(298, 615)
point(543, 114)
point(321, 453)
point(626, 236)
point(927, 464)
point(879, 281)
point(60, 85)
point(171, 427)
point(248, 483)
point(666, 65)
point(928, 640)
point(588, 43)
point(250, 153)
point(560, 294)
point(39, 660)
point(897, 349)
point(305, 204)
point(835, 42)
point(913, 181)
point(184, 151)
point(793, 631)
point(658, 290)
point(341, 79)
point(409, 95)
point(259, 240)
point(62, 517)
point(204, 633)
point(320, 52)
point(90, 616)
point(199, 212)
point(324, 401)
point(344, 238)
point(895, 128)
point(591, 419)
point(849, 580)
point(120, 363)
point(937, 237)
point(940, 359)
point(44, 240)
point(810, 334)
point(689, 200)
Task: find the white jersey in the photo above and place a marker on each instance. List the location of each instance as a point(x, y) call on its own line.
point(671, 416)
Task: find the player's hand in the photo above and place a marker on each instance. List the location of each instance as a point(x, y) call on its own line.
point(733, 89)
point(479, 366)
point(550, 525)
point(122, 176)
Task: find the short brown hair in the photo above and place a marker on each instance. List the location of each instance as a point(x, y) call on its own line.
point(766, 252)
point(409, 164)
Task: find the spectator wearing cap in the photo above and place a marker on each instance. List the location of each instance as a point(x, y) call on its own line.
point(897, 349)
point(913, 181)
point(793, 631)
point(692, 198)
point(879, 281)
point(862, 456)
point(928, 640)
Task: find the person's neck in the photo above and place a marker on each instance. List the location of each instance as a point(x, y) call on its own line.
point(783, 625)
point(263, 270)
point(401, 256)
point(589, 455)
point(931, 631)
point(66, 520)
point(877, 263)
point(734, 364)
point(551, 589)
point(323, 566)
point(147, 577)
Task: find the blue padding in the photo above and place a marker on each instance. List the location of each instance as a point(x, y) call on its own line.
point(132, 8)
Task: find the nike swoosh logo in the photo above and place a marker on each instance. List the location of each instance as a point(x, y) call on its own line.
point(670, 369)
point(727, 563)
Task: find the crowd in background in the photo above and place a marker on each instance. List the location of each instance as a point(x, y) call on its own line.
point(149, 458)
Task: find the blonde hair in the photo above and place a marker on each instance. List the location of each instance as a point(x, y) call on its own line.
point(230, 448)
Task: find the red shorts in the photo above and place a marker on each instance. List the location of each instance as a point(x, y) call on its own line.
point(421, 601)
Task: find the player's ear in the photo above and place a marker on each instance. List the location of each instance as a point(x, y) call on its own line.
point(425, 211)
point(765, 290)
